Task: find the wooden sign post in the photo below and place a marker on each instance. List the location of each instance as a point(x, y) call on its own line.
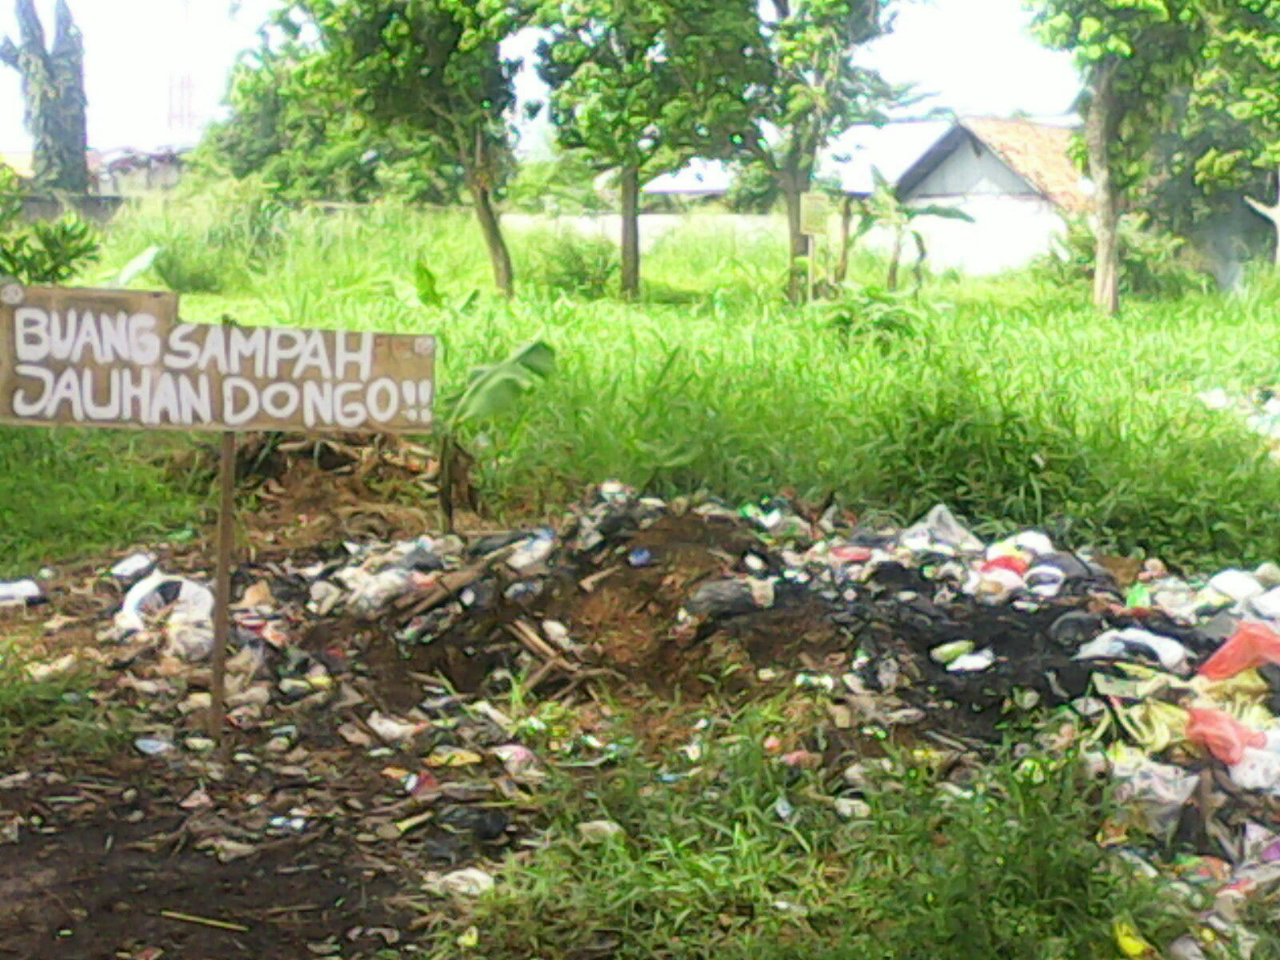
point(815, 215)
point(123, 358)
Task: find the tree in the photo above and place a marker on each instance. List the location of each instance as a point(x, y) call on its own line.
point(817, 92)
point(1238, 78)
point(53, 94)
point(304, 144)
point(432, 67)
point(643, 85)
point(1134, 53)
point(1207, 204)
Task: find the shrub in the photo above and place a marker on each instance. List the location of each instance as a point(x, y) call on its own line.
point(1152, 264)
point(875, 317)
point(569, 262)
point(46, 252)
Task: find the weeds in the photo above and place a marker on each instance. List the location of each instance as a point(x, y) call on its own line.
point(67, 493)
point(744, 857)
point(56, 713)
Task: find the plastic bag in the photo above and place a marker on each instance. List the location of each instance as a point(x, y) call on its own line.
point(1222, 734)
point(183, 607)
point(1252, 645)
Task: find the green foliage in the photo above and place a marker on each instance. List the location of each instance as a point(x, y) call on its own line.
point(817, 90)
point(45, 251)
point(1202, 171)
point(874, 317)
point(1006, 867)
point(493, 388)
point(559, 185)
point(1241, 60)
point(645, 84)
point(212, 244)
point(754, 189)
point(430, 68)
point(300, 140)
point(67, 493)
point(884, 208)
point(1152, 264)
point(564, 261)
point(1017, 405)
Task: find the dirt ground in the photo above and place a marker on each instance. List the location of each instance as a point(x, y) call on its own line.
point(112, 873)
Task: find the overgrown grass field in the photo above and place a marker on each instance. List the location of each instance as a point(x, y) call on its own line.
point(1006, 397)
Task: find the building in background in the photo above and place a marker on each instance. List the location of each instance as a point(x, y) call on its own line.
point(1013, 177)
point(138, 173)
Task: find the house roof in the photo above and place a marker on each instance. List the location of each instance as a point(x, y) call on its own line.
point(1039, 153)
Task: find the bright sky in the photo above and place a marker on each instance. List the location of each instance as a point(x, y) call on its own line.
point(157, 69)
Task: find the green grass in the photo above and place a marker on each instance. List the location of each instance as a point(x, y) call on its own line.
point(67, 494)
point(1005, 868)
point(1006, 398)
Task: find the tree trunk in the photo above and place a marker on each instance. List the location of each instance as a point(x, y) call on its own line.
point(630, 232)
point(798, 243)
point(499, 255)
point(1272, 214)
point(1099, 131)
point(53, 92)
point(846, 221)
point(895, 258)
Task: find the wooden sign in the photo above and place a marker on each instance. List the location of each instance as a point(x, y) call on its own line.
point(122, 358)
point(815, 213)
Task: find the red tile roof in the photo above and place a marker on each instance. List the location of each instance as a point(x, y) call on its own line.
point(1039, 154)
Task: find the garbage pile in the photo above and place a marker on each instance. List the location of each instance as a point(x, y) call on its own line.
point(388, 661)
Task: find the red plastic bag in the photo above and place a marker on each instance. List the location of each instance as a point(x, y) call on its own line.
point(1222, 734)
point(1252, 645)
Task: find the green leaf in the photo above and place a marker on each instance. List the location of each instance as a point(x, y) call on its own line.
point(943, 212)
point(137, 266)
point(424, 280)
point(492, 389)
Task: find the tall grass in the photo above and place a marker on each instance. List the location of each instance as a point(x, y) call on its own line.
point(1007, 398)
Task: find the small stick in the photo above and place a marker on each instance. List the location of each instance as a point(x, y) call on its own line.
point(204, 921)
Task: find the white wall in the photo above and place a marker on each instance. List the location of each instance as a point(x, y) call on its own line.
point(1007, 232)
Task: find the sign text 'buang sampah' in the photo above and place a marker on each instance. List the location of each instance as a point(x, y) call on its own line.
point(123, 358)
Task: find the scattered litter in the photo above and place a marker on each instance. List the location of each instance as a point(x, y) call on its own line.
point(600, 831)
point(26, 592)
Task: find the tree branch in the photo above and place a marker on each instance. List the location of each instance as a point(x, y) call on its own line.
point(1263, 210)
point(30, 25)
point(9, 53)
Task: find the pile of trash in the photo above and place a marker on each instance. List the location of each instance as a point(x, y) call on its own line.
point(382, 667)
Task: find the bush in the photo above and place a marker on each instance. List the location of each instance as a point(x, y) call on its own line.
point(1152, 264)
point(46, 252)
point(873, 316)
point(569, 262)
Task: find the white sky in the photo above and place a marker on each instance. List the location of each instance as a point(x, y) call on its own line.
point(141, 55)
